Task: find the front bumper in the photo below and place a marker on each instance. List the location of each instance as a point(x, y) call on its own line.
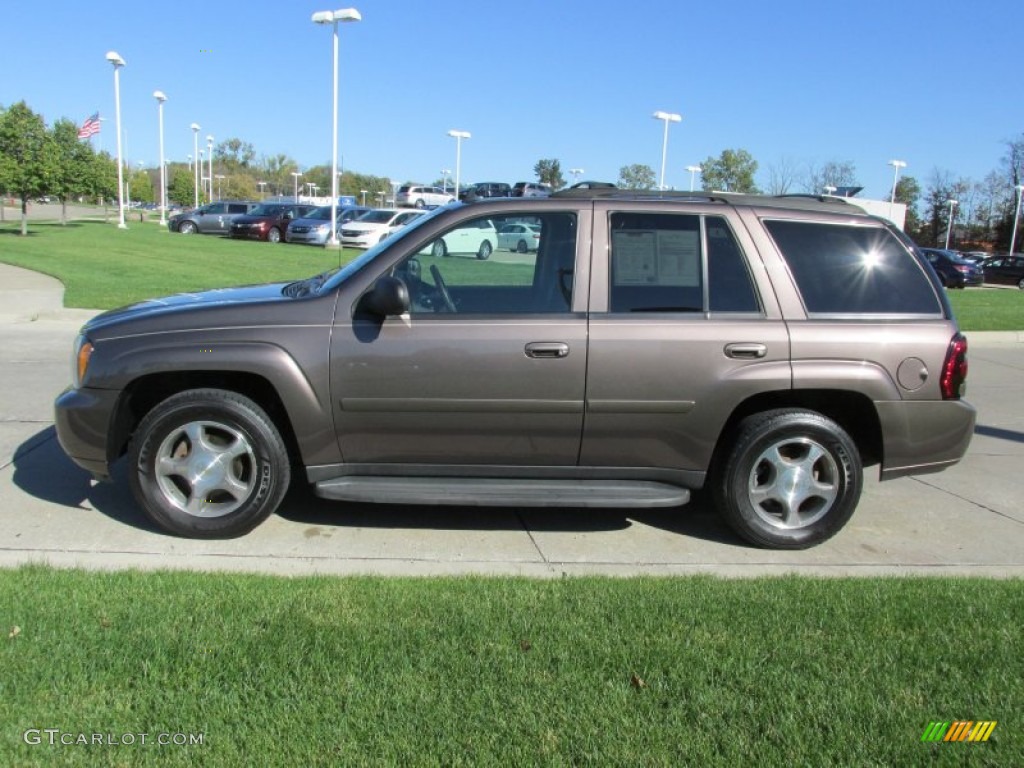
point(83, 419)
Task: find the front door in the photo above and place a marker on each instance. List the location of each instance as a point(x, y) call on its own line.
point(487, 368)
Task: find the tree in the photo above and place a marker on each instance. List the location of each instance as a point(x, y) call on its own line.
point(234, 154)
point(908, 192)
point(549, 172)
point(732, 171)
point(73, 171)
point(834, 173)
point(782, 176)
point(181, 186)
point(636, 176)
point(25, 162)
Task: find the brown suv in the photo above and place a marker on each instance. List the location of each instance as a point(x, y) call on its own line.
point(764, 348)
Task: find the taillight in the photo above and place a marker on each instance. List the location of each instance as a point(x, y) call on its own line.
point(963, 268)
point(954, 369)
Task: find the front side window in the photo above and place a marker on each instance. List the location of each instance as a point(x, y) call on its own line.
point(468, 270)
point(215, 208)
point(845, 269)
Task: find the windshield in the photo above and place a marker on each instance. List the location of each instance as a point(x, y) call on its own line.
point(379, 216)
point(337, 278)
point(319, 213)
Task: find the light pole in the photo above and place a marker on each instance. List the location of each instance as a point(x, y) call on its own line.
point(829, 189)
point(949, 224)
point(896, 164)
point(576, 173)
point(363, 193)
point(219, 177)
point(458, 136)
point(115, 58)
point(445, 173)
point(262, 185)
point(195, 140)
point(332, 18)
point(693, 169)
point(1016, 217)
point(209, 157)
point(295, 175)
point(202, 171)
point(667, 117)
point(160, 99)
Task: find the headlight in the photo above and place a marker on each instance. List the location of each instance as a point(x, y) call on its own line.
point(80, 360)
point(322, 227)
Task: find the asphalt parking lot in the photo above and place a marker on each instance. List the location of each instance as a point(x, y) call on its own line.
point(966, 520)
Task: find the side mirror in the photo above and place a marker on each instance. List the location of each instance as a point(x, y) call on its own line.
point(389, 296)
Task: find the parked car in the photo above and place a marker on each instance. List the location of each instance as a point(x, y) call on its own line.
point(416, 196)
point(975, 257)
point(315, 227)
point(210, 219)
point(268, 221)
point(519, 237)
point(477, 238)
point(530, 189)
point(953, 271)
point(1007, 269)
point(765, 349)
point(486, 189)
point(374, 225)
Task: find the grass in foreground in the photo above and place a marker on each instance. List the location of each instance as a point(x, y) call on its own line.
point(476, 671)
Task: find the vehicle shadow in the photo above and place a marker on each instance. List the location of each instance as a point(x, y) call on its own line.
point(999, 433)
point(42, 470)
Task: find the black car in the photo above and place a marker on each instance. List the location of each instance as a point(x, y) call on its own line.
point(1007, 269)
point(953, 271)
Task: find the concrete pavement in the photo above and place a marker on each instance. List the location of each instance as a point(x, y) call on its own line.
point(967, 520)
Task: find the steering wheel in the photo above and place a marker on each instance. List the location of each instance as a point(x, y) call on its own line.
point(442, 288)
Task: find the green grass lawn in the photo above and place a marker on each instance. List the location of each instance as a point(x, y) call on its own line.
point(495, 671)
point(103, 267)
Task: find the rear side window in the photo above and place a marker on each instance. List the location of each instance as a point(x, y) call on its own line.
point(843, 269)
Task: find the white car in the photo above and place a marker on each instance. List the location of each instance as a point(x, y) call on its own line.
point(374, 226)
point(417, 196)
point(477, 237)
point(519, 237)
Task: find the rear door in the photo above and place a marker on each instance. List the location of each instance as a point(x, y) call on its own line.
point(684, 327)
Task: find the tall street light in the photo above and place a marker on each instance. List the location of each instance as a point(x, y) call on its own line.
point(949, 224)
point(115, 58)
point(220, 177)
point(209, 156)
point(576, 173)
point(458, 136)
point(896, 164)
point(262, 185)
point(693, 169)
point(445, 173)
point(161, 98)
point(332, 18)
point(295, 175)
point(1016, 217)
point(195, 140)
point(667, 117)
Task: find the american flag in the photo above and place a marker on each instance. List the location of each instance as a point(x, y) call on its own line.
point(90, 127)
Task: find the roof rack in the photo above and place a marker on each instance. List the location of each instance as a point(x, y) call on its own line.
point(638, 194)
point(819, 198)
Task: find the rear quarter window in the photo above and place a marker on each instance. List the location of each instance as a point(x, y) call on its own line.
point(844, 269)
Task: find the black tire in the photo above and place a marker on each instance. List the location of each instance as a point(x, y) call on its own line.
point(420, 204)
point(187, 437)
point(439, 250)
point(486, 249)
point(187, 228)
point(521, 247)
point(1020, 284)
point(804, 452)
point(274, 235)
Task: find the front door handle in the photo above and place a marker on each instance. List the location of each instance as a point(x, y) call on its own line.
point(547, 349)
point(746, 351)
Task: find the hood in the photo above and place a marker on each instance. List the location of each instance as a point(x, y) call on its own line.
point(183, 303)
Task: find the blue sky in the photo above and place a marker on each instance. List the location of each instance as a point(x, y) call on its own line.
point(936, 84)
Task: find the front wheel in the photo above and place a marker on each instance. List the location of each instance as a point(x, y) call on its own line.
point(208, 463)
point(439, 250)
point(274, 235)
point(187, 228)
point(791, 479)
point(1020, 284)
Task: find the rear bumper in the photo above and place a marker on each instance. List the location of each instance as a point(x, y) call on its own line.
point(923, 436)
point(82, 418)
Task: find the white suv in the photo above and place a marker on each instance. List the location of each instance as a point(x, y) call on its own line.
point(410, 195)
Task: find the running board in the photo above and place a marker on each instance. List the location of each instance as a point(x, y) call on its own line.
point(493, 492)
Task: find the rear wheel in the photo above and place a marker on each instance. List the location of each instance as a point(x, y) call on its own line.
point(439, 250)
point(521, 246)
point(485, 250)
point(420, 204)
point(1020, 283)
point(208, 463)
point(791, 479)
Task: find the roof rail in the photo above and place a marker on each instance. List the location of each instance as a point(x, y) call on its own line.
point(819, 198)
point(638, 194)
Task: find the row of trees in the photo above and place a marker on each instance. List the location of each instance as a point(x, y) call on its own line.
point(36, 160)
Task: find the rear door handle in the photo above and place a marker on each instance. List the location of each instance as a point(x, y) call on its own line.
point(547, 349)
point(746, 351)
